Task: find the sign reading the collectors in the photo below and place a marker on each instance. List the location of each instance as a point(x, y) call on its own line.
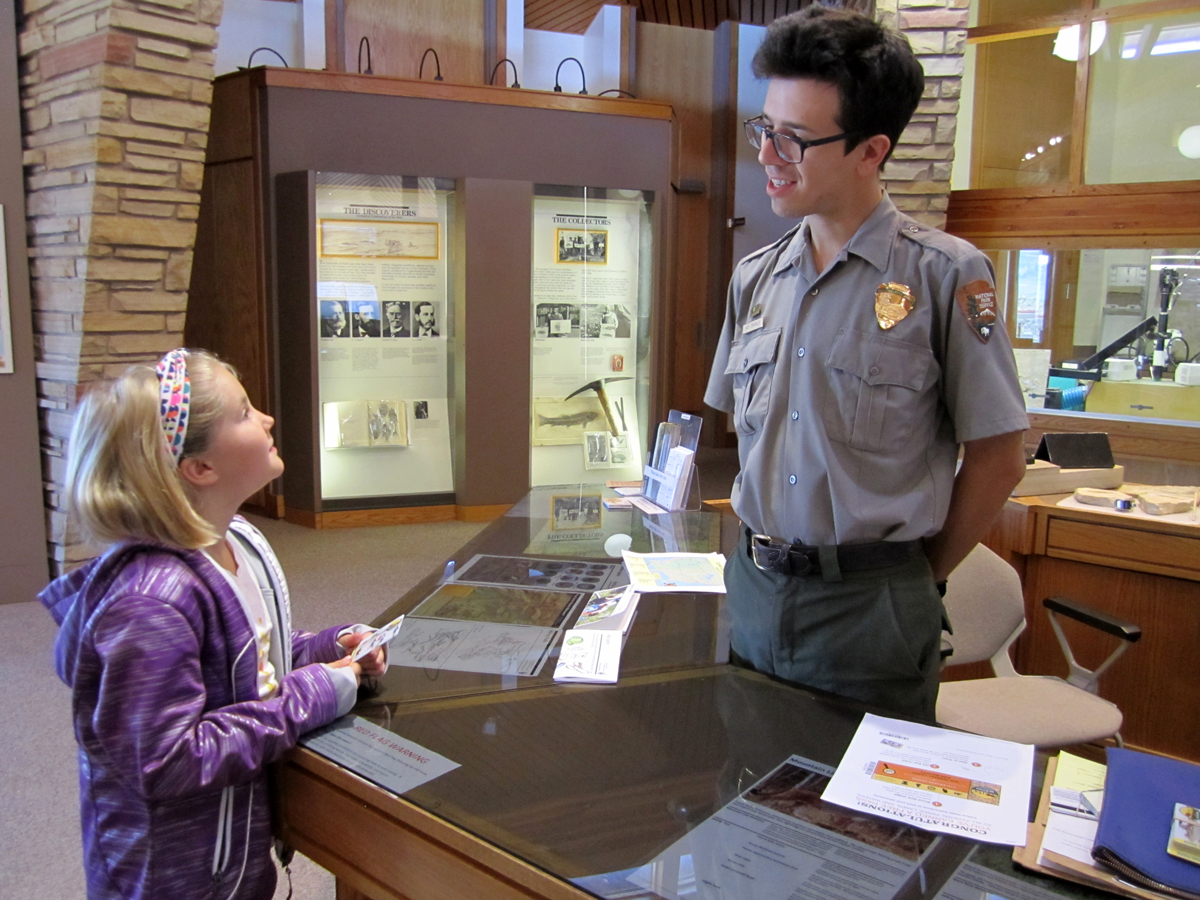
point(383, 320)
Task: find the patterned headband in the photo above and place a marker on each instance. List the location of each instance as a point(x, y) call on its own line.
point(174, 395)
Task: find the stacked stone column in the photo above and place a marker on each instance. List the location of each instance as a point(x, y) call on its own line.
point(115, 97)
point(918, 174)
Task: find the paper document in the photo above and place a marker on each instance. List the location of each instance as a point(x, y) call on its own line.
point(780, 841)
point(536, 572)
point(378, 638)
point(589, 656)
point(483, 647)
point(1071, 825)
point(692, 572)
point(942, 780)
point(376, 754)
point(611, 610)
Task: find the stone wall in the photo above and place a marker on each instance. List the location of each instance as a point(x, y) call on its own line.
point(918, 174)
point(115, 98)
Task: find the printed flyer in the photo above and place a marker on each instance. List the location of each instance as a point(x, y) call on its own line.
point(383, 317)
point(937, 779)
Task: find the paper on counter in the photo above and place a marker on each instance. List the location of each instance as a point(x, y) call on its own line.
point(1069, 833)
point(609, 610)
point(376, 754)
point(941, 780)
point(692, 572)
point(589, 656)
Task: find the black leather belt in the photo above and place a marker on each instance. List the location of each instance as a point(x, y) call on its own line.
point(773, 555)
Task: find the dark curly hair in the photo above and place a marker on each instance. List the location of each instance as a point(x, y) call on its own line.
point(878, 78)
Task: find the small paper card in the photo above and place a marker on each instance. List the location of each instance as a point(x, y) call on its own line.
point(1185, 833)
point(378, 638)
point(589, 656)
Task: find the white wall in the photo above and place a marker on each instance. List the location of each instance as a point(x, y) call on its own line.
point(248, 24)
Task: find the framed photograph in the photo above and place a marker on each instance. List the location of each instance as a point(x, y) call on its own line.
point(576, 245)
point(575, 512)
point(373, 238)
point(6, 347)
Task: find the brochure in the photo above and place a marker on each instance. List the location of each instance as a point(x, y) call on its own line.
point(942, 780)
point(691, 572)
point(589, 656)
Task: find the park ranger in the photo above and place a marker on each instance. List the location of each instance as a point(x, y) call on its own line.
point(860, 352)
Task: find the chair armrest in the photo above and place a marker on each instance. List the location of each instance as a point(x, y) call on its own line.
point(1072, 609)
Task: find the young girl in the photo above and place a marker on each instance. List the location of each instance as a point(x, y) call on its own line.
point(177, 643)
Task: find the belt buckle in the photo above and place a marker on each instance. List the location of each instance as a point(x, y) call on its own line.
point(769, 554)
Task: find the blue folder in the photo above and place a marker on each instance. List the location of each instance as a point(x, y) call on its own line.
point(1140, 793)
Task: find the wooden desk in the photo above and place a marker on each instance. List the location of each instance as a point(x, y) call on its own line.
point(1142, 570)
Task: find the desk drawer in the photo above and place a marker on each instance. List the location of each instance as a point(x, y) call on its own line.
point(1124, 548)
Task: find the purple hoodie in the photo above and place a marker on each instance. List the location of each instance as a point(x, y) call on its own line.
point(173, 742)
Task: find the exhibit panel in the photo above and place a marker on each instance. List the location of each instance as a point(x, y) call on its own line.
point(590, 325)
point(383, 310)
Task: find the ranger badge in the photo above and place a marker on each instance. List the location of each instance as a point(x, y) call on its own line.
point(977, 301)
point(893, 302)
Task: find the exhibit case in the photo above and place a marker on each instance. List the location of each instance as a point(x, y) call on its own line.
point(424, 231)
point(369, 313)
point(384, 323)
point(590, 362)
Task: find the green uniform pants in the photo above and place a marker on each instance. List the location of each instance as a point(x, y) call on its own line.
point(872, 635)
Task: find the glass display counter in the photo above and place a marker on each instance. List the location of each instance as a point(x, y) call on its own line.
point(621, 791)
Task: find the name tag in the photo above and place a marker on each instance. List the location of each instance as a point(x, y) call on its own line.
point(752, 325)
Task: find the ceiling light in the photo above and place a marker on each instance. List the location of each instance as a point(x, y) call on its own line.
point(1066, 44)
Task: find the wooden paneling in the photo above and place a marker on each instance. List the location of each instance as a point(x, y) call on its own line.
point(1153, 683)
point(1174, 555)
point(1140, 215)
point(674, 65)
point(494, 96)
point(574, 16)
point(399, 33)
point(1129, 437)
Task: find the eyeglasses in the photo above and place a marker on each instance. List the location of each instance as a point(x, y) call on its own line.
point(788, 147)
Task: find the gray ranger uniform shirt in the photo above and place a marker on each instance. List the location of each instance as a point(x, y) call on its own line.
point(849, 432)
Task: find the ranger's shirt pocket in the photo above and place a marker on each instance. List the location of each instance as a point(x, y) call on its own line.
point(752, 367)
point(878, 390)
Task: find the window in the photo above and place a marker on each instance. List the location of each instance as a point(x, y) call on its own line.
point(1061, 92)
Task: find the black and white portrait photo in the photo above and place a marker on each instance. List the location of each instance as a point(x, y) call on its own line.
point(420, 409)
point(334, 323)
point(396, 321)
point(425, 319)
point(366, 318)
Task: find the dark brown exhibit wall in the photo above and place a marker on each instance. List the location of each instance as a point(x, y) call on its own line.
point(492, 352)
point(383, 135)
point(23, 566)
point(299, 417)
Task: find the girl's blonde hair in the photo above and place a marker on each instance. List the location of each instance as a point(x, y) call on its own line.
point(122, 481)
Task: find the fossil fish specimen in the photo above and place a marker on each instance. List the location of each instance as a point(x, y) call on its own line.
point(579, 418)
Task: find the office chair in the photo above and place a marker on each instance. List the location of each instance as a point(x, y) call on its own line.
point(986, 608)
